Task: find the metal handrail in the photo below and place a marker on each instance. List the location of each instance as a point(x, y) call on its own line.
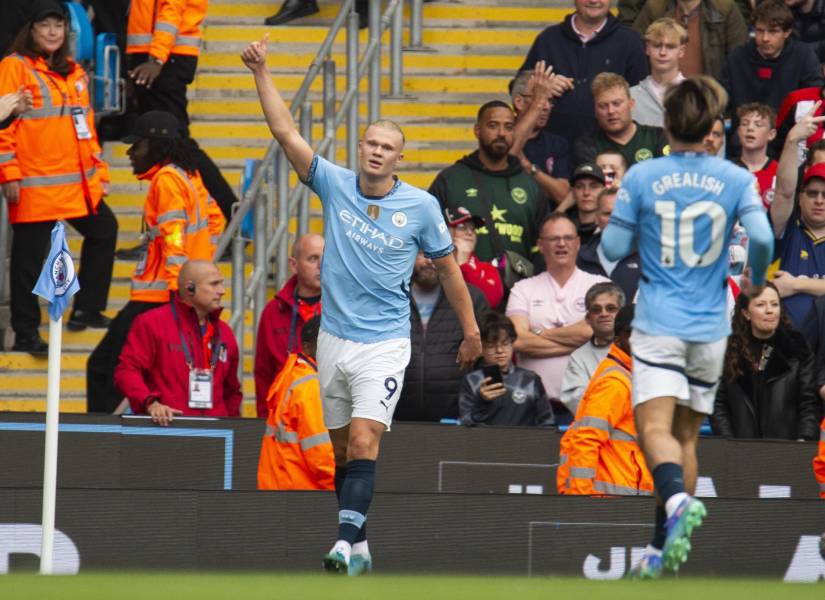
point(270, 183)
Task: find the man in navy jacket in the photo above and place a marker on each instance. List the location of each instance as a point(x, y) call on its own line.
point(588, 42)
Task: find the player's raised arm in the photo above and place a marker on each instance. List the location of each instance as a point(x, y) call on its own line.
point(275, 110)
point(787, 170)
point(459, 297)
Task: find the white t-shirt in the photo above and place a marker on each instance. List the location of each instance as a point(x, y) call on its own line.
point(547, 305)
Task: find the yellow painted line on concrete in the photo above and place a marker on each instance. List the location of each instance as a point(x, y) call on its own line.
point(469, 36)
point(462, 62)
point(67, 405)
point(389, 108)
point(474, 13)
point(260, 132)
point(412, 84)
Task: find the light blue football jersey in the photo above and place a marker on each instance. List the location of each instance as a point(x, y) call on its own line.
point(371, 245)
point(682, 208)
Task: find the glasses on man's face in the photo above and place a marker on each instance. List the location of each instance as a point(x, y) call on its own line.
point(496, 346)
point(468, 226)
point(814, 194)
point(555, 239)
point(597, 309)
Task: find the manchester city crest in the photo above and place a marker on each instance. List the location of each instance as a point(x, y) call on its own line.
point(62, 272)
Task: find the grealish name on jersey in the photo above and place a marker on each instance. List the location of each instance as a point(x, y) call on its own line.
point(371, 234)
point(708, 183)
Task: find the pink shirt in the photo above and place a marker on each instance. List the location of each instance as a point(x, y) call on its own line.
point(547, 305)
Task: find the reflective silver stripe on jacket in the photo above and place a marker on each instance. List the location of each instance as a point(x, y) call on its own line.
point(287, 437)
point(188, 40)
point(140, 39)
point(137, 39)
point(53, 111)
point(6, 157)
point(314, 440)
point(138, 284)
point(175, 260)
point(618, 490)
point(822, 435)
point(195, 227)
point(172, 215)
point(269, 430)
point(617, 435)
point(582, 472)
point(562, 459)
point(166, 27)
point(291, 437)
point(63, 179)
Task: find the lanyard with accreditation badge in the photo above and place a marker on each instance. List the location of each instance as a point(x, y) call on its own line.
point(200, 380)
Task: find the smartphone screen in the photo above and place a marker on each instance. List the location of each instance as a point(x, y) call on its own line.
point(492, 371)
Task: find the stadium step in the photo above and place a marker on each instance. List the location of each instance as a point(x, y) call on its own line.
point(473, 49)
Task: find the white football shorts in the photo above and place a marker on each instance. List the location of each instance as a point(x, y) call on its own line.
point(360, 380)
point(668, 366)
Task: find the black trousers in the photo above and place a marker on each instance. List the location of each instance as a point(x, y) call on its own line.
point(101, 393)
point(168, 92)
point(29, 248)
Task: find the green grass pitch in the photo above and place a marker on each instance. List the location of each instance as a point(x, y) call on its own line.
point(248, 586)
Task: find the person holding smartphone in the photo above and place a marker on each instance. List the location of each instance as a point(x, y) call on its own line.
point(500, 393)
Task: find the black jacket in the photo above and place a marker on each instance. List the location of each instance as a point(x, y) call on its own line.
point(784, 403)
point(525, 402)
point(431, 381)
point(626, 273)
point(616, 49)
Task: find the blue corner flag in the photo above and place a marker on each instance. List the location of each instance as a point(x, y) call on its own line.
point(58, 281)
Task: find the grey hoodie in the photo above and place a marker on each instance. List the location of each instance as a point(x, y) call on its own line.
point(648, 109)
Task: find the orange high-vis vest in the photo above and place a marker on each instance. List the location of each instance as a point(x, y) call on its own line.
point(176, 218)
point(819, 461)
point(164, 27)
point(599, 454)
point(60, 175)
point(296, 452)
point(217, 222)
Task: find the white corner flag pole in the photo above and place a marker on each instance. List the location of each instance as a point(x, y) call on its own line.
point(50, 462)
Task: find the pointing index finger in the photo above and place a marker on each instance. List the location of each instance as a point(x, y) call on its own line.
point(815, 108)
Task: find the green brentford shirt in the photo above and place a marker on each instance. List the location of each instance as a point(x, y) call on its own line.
point(647, 142)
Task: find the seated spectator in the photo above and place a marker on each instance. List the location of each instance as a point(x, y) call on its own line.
point(279, 328)
point(819, 468)
point(755, 133)
point(665, 43)
point(602, 302)
point(599, 453)
point(772, 65)
point(588, 42)
point(715, 140)
point(180, 358)
point(517, 399)
point(542, 154)
point(798, 224)
point(296, 451)
point(432, 377)
point(491, 183)
point(587, 182)
point(626, 272)
point(617, 130)
point(482, 275)
point(767, 390)
point(613, 165)
point(548, 311)
point(714, 27)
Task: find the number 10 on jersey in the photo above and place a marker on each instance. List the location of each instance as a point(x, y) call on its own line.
point(684, 238)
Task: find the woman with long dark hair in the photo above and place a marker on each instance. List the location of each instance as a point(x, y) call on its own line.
point(51, 169)
point(767, 388)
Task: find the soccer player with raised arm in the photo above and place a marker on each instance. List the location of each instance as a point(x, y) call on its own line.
point(374, 226)
point(679, 210)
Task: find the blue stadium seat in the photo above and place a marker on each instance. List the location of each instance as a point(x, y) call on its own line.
point(108, 88)
point(83, 42)
point(248, 225)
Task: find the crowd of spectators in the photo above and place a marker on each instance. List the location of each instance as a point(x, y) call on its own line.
point(525, 211)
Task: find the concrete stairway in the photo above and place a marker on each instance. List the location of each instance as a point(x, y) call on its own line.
point(477, 46)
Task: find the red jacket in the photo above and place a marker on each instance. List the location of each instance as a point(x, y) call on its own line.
point(152, 363)
point(485, 277)
point(273, 339)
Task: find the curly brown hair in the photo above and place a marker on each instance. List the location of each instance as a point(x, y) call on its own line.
point(739, 348)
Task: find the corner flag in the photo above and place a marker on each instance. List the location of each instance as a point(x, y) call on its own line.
point(57, 282)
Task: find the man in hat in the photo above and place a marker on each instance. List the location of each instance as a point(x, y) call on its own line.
point(586, 184)
point(483, 275)
point(176, 229)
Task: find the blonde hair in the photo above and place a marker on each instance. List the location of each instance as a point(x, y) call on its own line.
point(606, 81)
point(389, 125)
point(666, 28)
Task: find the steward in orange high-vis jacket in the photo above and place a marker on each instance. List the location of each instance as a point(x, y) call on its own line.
point(296, 451)
point(599, 454)
point(51, 169)
point(176, 226)
point(819, 461)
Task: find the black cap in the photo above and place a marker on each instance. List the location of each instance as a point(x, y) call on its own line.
point(624, 319)
point(40, 9)
point(157, 124)
point(456, 216)
point(591, 170)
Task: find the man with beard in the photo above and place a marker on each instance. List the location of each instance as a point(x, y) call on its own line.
point(491, 183)
point(432, 377)
point(617, 129)
point(542, 154)
point(175, 229)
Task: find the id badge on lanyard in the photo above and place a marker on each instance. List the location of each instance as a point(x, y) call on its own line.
point(81, 125)
point(200, 389)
